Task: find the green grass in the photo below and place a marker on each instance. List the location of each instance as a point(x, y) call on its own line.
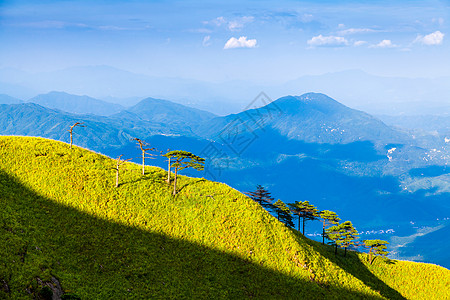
point(62, 217)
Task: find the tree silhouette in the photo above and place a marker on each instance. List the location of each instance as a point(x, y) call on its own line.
point(262, 196)
point(183, 160)
point(377, 248)
point(119, 162)
point(283, 213)
point(142, 145)
point(71, 131)
point(343, 235)
point(328, 218)
point(304, 211)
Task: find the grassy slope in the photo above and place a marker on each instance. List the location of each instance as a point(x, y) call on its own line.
point(61, 216)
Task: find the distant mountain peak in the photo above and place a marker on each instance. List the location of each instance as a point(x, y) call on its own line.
point(310, 102)
point(6, 99)
point(76, 104)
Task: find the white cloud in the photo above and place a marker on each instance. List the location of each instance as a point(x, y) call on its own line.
point(206, 41)
point(242, 42)
point(239, 23)
point(323, 41)
point(232, 25)
point(435, 38)
point(217, 21)
point(355, 31)
point(359, 43)
point(384, 44)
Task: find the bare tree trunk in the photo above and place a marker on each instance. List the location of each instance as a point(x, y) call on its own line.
point(175, 182)
point(323, 234)
point(303, 225)
point(370, 256)
point(117, 171)
point(168, 172)
point(143, 162)
point(119, 162)
point(70, 139)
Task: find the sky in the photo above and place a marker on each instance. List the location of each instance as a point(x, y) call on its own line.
point(257, 41)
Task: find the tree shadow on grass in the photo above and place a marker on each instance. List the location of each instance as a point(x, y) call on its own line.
point(99, 259)
point(352, 265)
point(189, 183)
point(135, 176)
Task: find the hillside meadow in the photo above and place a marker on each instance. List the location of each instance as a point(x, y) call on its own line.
point(63, 223)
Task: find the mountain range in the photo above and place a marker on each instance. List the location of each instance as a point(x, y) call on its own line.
point(307, 147)
point(76, 104)
point(371, 93)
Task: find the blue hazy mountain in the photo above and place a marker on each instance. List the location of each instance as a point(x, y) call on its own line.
point(166, 112)
point(355, 88)
point(103, 134)
point(378, 94)
point(312, 117)
point(6, 99)
point(35, 120)
point(76, 104)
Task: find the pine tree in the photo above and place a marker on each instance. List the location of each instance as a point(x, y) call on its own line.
point(262, 196)
point(181, 160)
point(283, 213)
point(304, 211)
point(169, 166)
point(343, 235)
point(377, 248)
point(328, 218)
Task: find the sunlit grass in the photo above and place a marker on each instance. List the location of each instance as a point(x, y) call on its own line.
point(97, 259)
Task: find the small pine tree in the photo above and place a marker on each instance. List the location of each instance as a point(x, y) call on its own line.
point(182, 160)
point(343, 235)
point(283, 213)
point(169, 165)
point(328, 218)
point(377, 248)
point(262, 196)
point(304, 211)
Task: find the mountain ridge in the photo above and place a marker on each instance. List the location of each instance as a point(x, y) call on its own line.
point(76, 104)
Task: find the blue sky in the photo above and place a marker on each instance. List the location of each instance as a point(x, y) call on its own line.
point(259, 41)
